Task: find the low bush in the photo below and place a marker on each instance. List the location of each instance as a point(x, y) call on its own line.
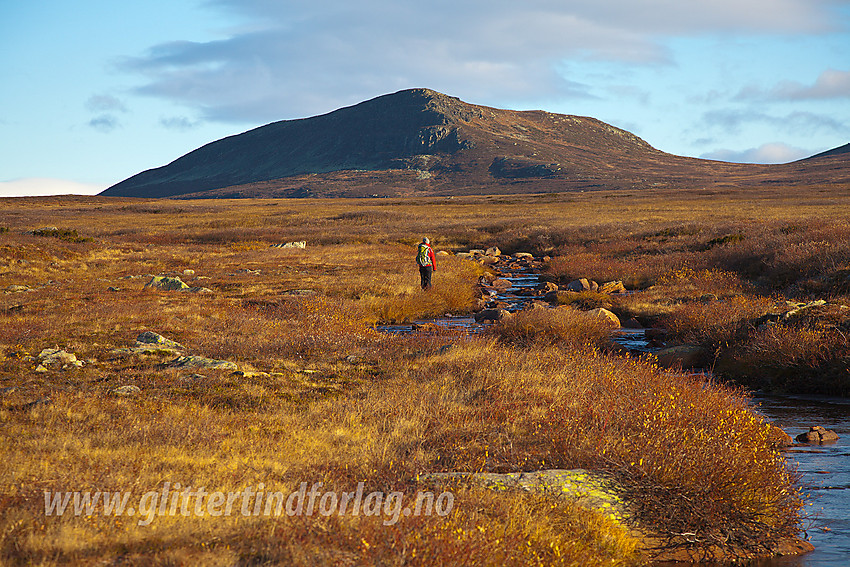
point(544, 327)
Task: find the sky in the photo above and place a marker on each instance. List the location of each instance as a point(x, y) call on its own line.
point(95, 91)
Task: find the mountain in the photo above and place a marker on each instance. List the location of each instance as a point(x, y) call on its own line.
point(419, 141)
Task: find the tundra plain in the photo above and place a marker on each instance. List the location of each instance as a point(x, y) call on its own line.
point(319, 395)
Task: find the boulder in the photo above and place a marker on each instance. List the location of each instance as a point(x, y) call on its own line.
point(612, 287)
point(442, 253)
point(594, 286)
point(188, 273)
point(578, 285)
point(56, 357)
point(488, 260)
point(493, 251)
point(631, 323)
point(166, 283)
point(16, 288)
point(604, 314)
point(490, 315)
point(149, 338)
point(800, 307)
point(685, 356)
point(817, 435)
point(587, 489)
point(202, 362)
point(502, 284)
point(298, 244)
point(127, 391)
point(536, 305)
point(476, 252)
point(523, 255)
point(546, 287)
point(199, 290)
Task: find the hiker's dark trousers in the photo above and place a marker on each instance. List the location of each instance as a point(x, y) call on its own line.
point(425, 273)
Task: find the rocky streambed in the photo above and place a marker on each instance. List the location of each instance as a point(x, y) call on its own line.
point(517, 282)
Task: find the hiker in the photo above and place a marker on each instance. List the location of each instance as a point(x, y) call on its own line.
point(427, 262)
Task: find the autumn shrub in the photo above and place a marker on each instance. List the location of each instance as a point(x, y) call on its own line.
point(716, 323)
point(808, 352)
point(563, 326)
point(666, 436)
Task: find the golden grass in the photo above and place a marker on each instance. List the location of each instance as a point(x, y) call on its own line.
point(337, 402)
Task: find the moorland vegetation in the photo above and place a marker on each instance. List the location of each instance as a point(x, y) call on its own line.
point(320, 395)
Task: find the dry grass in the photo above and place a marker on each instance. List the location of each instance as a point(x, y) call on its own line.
point(337, 402)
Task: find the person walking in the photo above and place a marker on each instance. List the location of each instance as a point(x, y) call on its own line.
point(427, 262)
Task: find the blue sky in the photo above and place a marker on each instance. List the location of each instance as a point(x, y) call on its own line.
point(94, 91)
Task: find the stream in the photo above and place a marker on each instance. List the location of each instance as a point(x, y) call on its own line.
point(824, 469)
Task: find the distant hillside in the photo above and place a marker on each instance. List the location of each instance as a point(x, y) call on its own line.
point(419, 140)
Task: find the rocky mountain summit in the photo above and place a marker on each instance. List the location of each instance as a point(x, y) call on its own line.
point(419, 141)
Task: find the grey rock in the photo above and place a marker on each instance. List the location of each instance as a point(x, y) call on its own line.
point(578, 285)
point(490, 315)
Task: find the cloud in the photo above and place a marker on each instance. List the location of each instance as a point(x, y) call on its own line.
point(104, 123)
point(43, 186)
point(732, 121)
point(105, 106)
point(105, 103)
point(180, 123)
point(831, 84)
point(776, 152)
point(299, 58)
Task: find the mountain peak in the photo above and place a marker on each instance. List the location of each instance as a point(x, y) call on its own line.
point(423, 140)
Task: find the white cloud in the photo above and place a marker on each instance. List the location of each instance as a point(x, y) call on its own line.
point(43, 186)
point(301, 58)
point(767, 153)
point(830, 84)
point(105, 103)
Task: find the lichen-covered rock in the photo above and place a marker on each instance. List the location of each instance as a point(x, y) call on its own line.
point(202, 362)
point(588, 489)
point(149, 338)
point(166, 283)
point(58, 358)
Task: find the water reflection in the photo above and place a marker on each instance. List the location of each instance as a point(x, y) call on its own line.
point(825, 470)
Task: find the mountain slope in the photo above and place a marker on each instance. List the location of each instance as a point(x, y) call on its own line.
point(421, 140)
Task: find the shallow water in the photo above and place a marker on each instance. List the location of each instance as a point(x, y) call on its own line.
point(825, 470)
